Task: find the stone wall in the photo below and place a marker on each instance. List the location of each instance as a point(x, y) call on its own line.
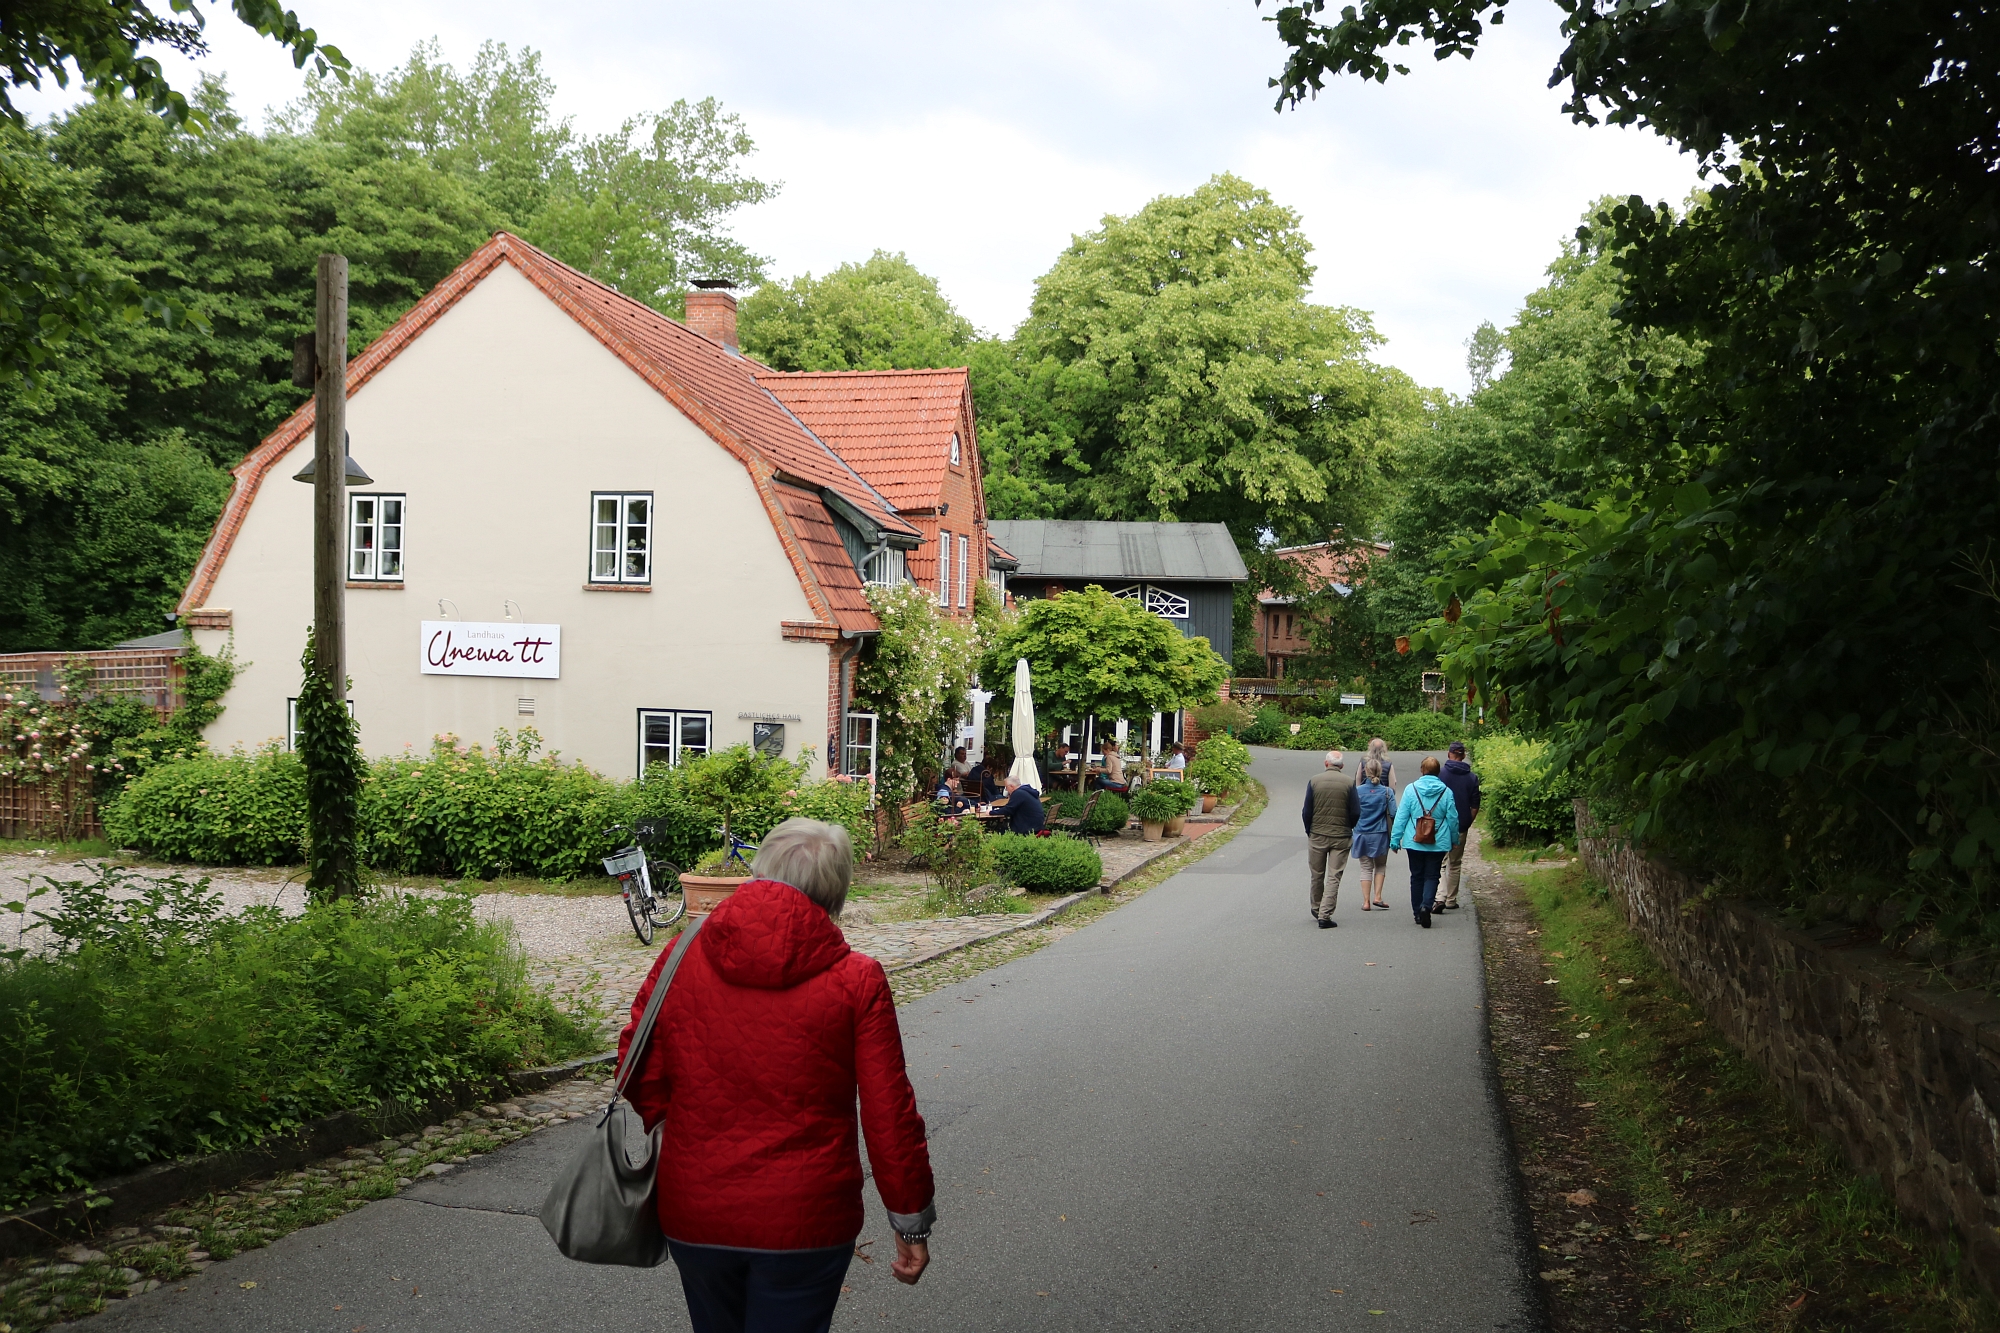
point(1883, 1057)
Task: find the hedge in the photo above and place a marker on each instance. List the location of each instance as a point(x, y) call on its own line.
point(1521, 802)
point(1421, 730)
point(459, 811)
point(1049, 865)
point(1109, 815)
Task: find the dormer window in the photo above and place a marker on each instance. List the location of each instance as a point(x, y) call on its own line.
point(954, 449)
point(883, 568)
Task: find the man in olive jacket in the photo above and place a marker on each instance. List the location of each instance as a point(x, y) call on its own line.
point(1331, 809)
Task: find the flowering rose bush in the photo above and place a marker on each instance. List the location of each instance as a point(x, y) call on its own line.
point(916, 678)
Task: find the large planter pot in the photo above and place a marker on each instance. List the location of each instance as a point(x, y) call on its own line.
point(1175, 825)
point(1150, 829)
point(706, 892)
point(1208, 801)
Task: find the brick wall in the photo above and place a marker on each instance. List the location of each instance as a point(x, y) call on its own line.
point(1882, 1056)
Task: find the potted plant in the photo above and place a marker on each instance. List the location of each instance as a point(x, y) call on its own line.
point(726, 786)
point(1222, 767)
point(1154, 804)
point(1184, 797)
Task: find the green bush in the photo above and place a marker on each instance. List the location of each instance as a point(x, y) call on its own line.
point(1221, 766)
point(1271, 727)
point(224, 809)
point(1521, 801)
point(466, 811)
point(1110, 814)
point(150, 1024)
point(477, 813)
point(1047, 865)
point(1422, 730)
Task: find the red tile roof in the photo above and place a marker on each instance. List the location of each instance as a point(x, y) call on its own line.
point(716, 388)
point(894, 427)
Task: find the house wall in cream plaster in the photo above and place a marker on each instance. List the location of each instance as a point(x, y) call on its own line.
point(497, 423)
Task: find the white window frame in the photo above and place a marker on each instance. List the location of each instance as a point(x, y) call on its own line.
point(620, 531)
point(364, 559)
point(1169, 605)
point(852, 749)
point(1132, 592)
point(883, 568)
point(677, 747)
point(964, 567)
point(956, 455)
point(944, 567)
point(292, 720)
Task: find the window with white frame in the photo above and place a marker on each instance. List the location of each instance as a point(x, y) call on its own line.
point(857, 746)
point(882, 568)
point(621, 537)
point(964, 568)
point(1163, 603)
point(375, 538)
point(955, 454)
point(944, 568)
point(1131, 592)
point(669, 735)
point(292, 721)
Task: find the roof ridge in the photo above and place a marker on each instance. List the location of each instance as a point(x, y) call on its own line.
point(856, 374)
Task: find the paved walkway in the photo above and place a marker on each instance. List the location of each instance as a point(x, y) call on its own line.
point(1199, 1113)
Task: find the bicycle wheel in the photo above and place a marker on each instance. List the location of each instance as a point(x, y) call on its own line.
point(639, 908)
point(669, 900)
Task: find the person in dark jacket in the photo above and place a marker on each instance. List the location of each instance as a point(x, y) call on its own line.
point(770, 1032)
point(1464, 784)
point(1330, 812)
point(1023, 808)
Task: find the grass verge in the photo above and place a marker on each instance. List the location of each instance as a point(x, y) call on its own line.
point(1730, 1211)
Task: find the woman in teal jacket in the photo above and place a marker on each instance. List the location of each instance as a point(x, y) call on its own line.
point(1426, 796)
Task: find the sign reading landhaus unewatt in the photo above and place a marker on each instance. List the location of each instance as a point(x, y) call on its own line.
point(490, 648)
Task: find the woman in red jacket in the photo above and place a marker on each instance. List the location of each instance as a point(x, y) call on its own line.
point(770, 1029)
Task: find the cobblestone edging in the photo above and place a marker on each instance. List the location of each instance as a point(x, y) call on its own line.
point(1879, 1054)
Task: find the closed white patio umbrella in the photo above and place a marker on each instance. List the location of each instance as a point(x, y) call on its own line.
point(1024, 730)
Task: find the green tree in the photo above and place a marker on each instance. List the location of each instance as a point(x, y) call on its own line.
point(644, 207)
point(1094, 655)
point(1199, 382)
point(883, 314)
point(43, 300)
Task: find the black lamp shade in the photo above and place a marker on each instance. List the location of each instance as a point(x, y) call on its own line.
point(355, 475)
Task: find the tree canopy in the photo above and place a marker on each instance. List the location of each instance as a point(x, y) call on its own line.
point(882, 314)
point(1187, 378)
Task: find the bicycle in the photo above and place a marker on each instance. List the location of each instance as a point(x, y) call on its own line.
point(736, 861)
point(651, 887)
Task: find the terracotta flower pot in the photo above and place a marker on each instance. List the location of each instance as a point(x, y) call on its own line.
point(1175, 825)
point(1150, 829)
point(1208, 801)
point(706, 892)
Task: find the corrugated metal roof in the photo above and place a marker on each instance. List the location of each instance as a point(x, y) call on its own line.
point(1076, 549)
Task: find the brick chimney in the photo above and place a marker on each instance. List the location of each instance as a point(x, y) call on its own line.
point(711, 312)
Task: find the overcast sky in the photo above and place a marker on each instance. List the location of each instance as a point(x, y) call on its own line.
point(978, 138)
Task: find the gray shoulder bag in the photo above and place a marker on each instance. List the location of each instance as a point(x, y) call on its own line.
point(604, 1207)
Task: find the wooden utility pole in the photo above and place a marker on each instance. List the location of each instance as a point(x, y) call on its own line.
point(330, 473)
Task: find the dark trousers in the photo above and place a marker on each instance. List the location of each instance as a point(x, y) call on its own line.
point(760, 1291)
point(1424, 868)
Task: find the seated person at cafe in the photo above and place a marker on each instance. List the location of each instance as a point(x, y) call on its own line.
point(961, 767)
point(1113, 776)
point(948, 798)
point(1176, 757)
point(992, 778)
point(1062, 754)
point(1023, 808)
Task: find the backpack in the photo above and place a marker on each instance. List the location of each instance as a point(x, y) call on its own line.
point(1427, 825)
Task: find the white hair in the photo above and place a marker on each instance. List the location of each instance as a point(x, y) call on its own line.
point(815, 858)
point(1334, 759)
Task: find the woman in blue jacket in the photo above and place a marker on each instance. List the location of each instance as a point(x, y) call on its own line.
point(1426, 796)
point(1371, 832)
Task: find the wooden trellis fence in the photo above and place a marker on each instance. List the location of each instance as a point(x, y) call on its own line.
point(55, 807)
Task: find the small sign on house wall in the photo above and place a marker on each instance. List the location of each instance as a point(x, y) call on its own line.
point(490, 648)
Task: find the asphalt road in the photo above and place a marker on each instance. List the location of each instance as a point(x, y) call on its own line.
point(1200, 1113)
